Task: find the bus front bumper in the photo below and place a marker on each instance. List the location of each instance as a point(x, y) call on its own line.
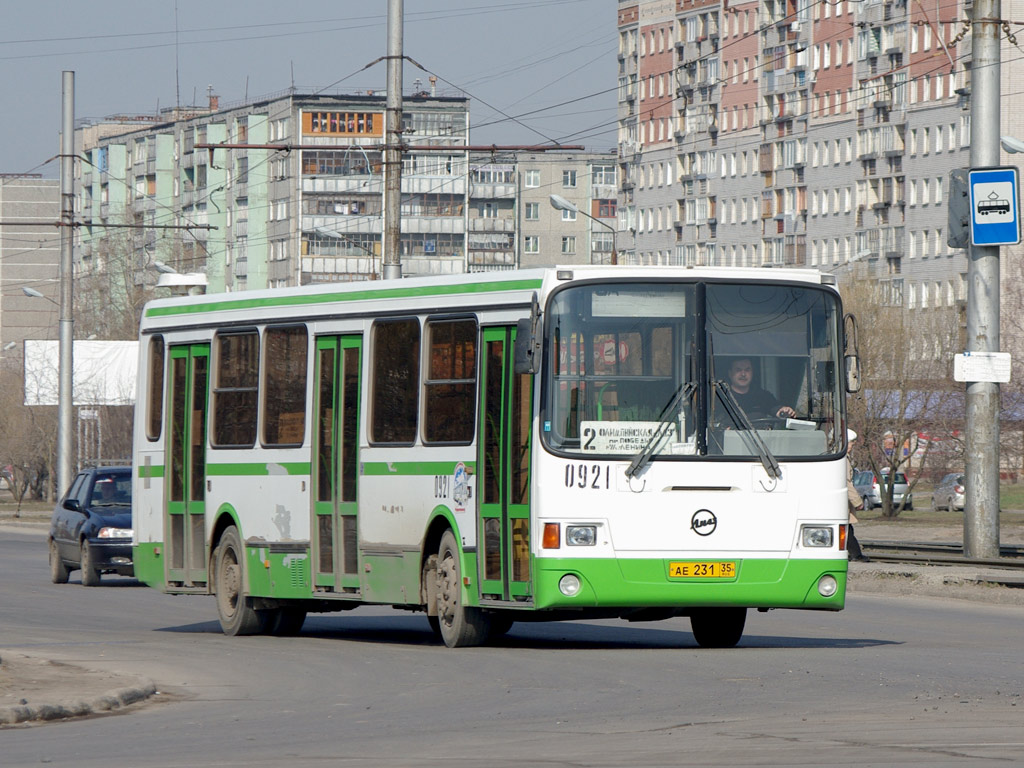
point(816, 584)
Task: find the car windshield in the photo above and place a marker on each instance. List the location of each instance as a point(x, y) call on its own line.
point(111, 490)
point(901, 479)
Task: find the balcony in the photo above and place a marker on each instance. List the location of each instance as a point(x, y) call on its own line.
point(488, 224)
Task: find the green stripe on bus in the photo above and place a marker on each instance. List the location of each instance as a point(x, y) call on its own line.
point(327, 298)
point(153, 470)
point(377, 468)
point(258, 469)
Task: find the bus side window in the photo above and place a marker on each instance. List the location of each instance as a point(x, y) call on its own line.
point(235, 392)
point(284, 384)
point(450, 387)
point(155, 392)
point(395, 384)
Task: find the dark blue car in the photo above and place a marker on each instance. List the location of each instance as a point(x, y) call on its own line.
point(91, 528)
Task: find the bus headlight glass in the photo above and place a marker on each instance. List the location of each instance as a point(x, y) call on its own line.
point(581, 535)
point(569, 585)
point(816, 536)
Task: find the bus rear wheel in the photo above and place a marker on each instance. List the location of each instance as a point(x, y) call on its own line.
point(234, 607)
point(718, 627)
point(285, 622)
point(459, 625)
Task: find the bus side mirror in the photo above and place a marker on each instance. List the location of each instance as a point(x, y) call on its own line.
point(851, 356)
point(852, 366)
point(526, 349)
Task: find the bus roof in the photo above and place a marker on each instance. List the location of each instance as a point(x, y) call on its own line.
point(513, 287)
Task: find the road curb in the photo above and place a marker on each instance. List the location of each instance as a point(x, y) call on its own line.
point(110, 701)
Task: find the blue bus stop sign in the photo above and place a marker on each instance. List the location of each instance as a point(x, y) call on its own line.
point(995, 218)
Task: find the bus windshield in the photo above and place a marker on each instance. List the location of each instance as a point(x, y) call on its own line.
point(667, 371)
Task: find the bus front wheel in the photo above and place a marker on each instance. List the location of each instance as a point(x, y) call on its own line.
point(718, 627)
point(234, 607)
point(460, 625)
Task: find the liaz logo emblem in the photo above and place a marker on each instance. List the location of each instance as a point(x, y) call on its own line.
point(703, 522)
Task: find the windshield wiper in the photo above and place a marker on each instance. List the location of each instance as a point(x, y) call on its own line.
point(665, 421)
point(747, 431)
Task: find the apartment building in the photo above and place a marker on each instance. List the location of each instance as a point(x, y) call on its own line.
point(294, 195)
point(797, 133)
point(29, 259)
point(289, 190)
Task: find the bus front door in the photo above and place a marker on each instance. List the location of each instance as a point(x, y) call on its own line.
point(185, 518)
point(504, 473)
point(335, 465)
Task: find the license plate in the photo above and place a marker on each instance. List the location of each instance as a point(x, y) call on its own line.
point(702, 569)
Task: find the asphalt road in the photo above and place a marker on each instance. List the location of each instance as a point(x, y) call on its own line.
point(893, 680)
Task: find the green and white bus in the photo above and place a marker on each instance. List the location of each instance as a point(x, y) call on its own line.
point(498, 447)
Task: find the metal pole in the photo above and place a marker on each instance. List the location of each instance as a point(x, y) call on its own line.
point(66, 335)
point(391, 268)
point(981, 517)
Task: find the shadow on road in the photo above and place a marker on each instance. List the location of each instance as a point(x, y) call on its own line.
point(556, 636)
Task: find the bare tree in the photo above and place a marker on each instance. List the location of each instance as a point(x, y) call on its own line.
point(27, 441)
point(909, 403)
point(112, 285)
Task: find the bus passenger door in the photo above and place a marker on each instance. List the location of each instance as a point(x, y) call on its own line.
point(336, 465)
point(504, 473)
point(185, 520)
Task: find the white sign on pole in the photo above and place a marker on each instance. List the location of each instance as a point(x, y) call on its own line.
point(982, 366)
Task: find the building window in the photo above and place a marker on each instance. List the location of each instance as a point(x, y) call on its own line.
point(343, 123)
point(531, 244)
point(531, 179)
point(602, 174)
point(568, 178)
point(568, 215)
point(532, 211)
point(606, 209)
point(569, 244)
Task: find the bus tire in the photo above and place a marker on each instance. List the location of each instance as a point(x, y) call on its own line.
point(285, 622)
point(718, 627)
point(499, 624)
point(234, 608)
point(58, 568)
point(90, 573)
point(460, 625)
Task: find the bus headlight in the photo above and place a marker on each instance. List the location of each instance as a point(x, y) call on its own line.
point(827, 585)
point(816, 536)
point(569, 585)
point(580, 535)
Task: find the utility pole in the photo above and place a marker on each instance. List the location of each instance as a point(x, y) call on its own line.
point(981, 517)
point(392, 262)
point(65, 392)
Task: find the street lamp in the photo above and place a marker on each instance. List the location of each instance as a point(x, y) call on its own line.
point(1011, 145)
point(559, 203)
point(32, 293)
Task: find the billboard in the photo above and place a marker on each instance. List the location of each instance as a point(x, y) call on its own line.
point(104, 372)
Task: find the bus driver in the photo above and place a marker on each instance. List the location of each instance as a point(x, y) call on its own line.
point(757, 403)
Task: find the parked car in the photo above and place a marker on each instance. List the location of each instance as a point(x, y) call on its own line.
point(91, 527)
point(949, 493)
point(870, 490)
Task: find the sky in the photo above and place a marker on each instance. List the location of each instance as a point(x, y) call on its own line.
point(536, 70)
